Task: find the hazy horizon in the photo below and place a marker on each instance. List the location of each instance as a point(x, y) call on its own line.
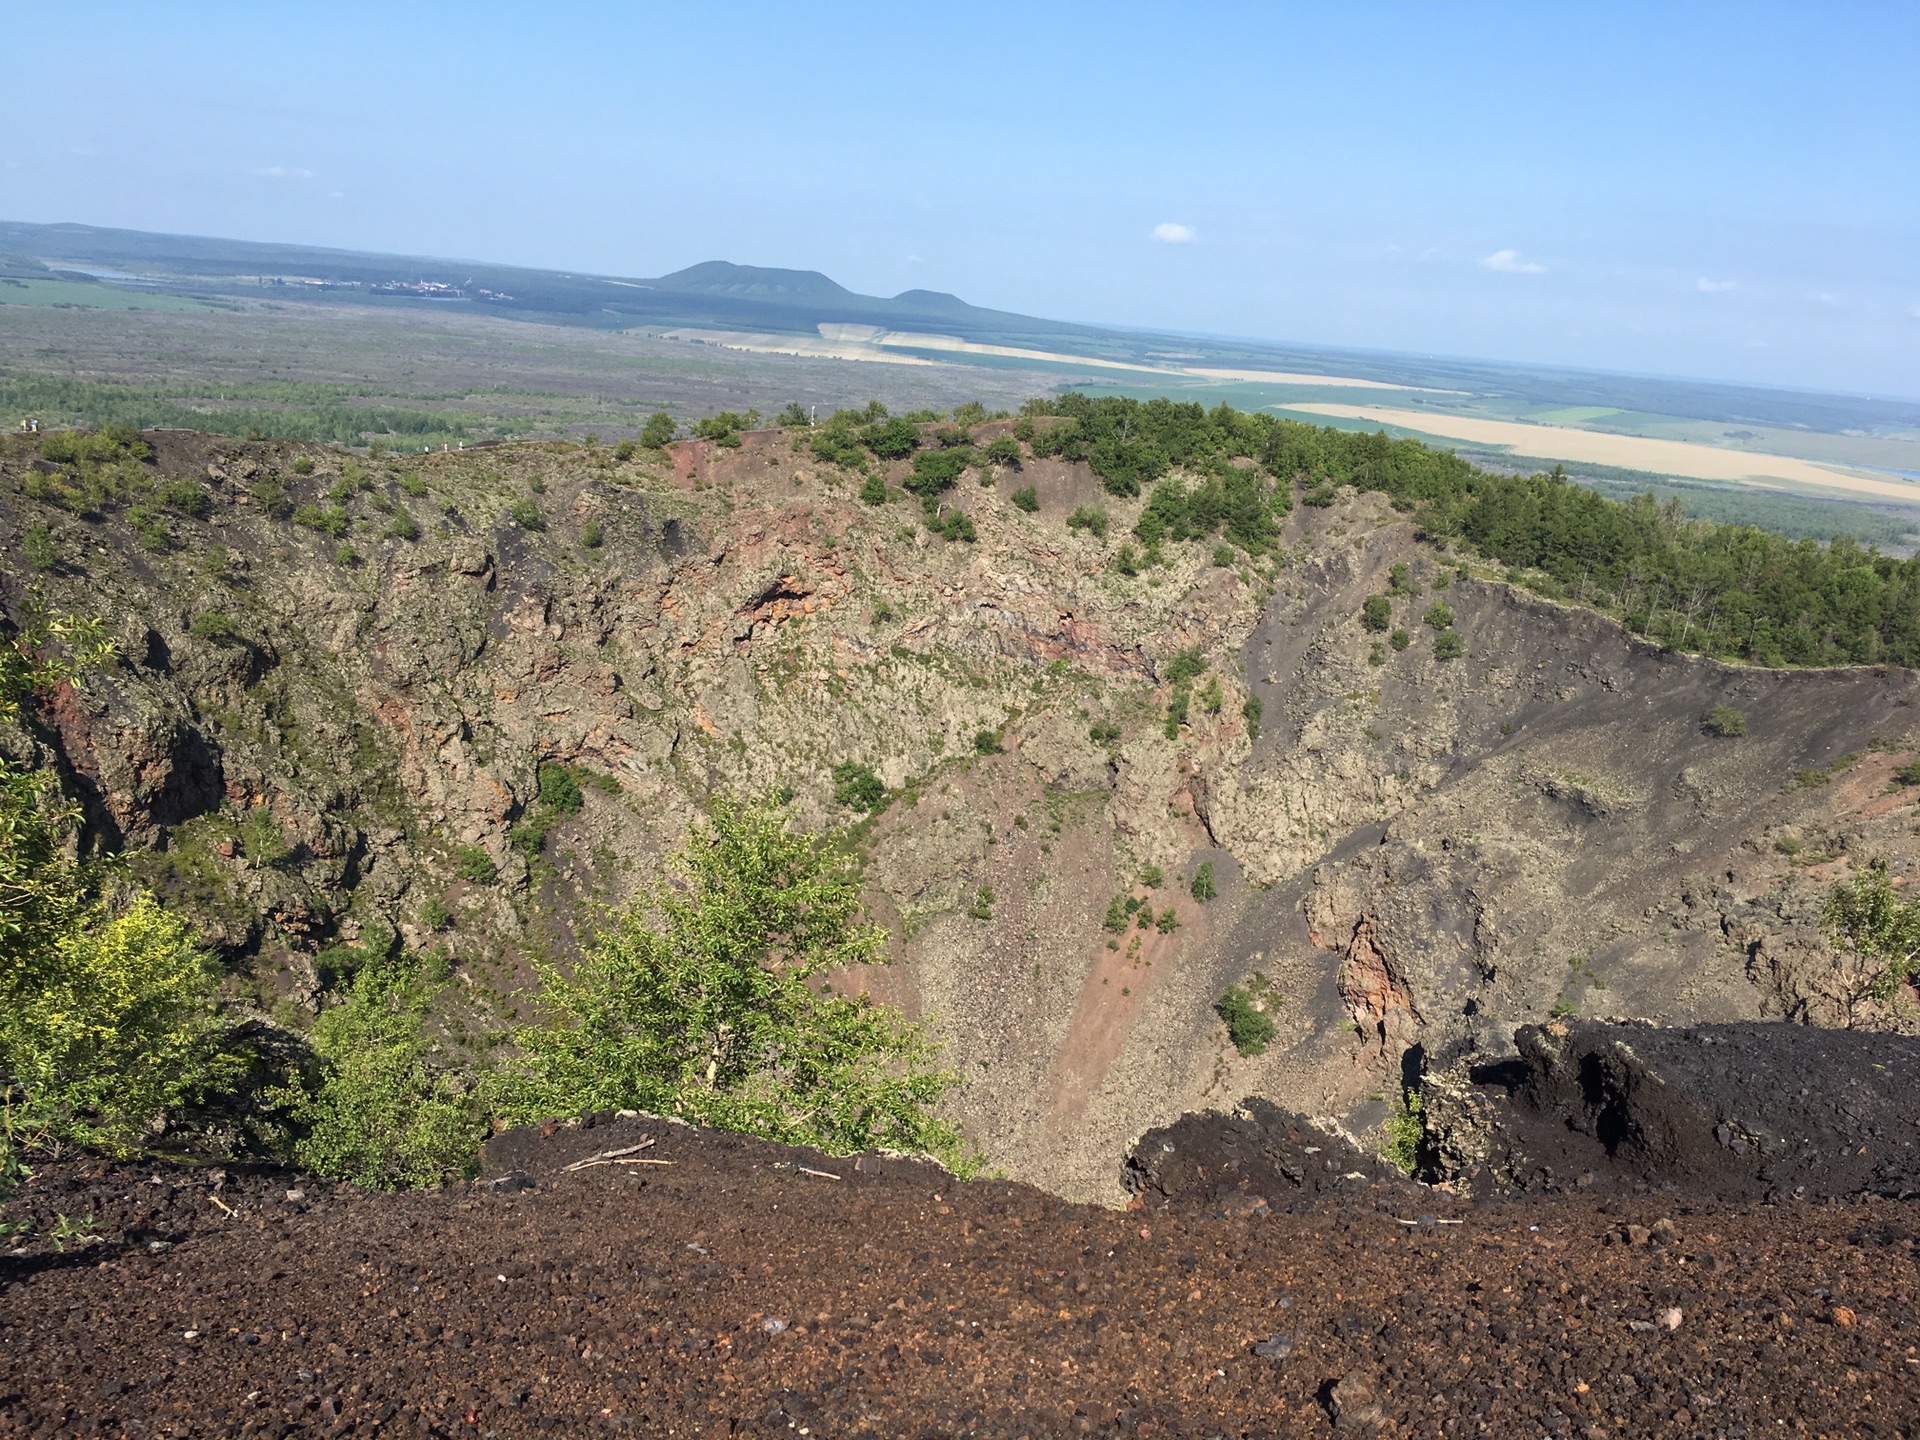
point(1725, 194)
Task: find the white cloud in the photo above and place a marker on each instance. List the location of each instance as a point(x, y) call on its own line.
point(1715, 287)
point(1508, 262)
point(284, 172)
point(1168, 232)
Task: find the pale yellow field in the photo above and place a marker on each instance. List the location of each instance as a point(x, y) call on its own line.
point(1627, 452)
point(869, 342)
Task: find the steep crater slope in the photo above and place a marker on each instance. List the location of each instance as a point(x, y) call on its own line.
point(339, 681)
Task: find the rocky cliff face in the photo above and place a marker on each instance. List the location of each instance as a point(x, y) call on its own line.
point(316, 727)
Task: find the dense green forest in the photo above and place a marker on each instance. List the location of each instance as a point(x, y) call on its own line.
point(1736, 591)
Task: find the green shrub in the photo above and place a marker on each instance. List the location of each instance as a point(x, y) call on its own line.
point(383, 1112)
point(1223, 556)
point(1247, 1026)
point(1439, 615)
point(1168, 922)
point(1865, 916)
point(893, 439)
point(873, 490)
point(701, 1001)
point(1724, 721)
point(1204, 886)
point(1404, 1129)
point(1251, 712)
point(982, 906)
point(261, 837)
point(149, 530)
point(987, 742)
point(1004, 451)
point(591, 535)
point(793, 417)
point(1400, 579)
point(302, 465)
point(474, 865)
point(346, 557)
point(1152, 876)
point(1120, 910)
point(857, 787)
point(1027, 499)
point(1377, 614)
point(954, 525)
point(271, 496)
point(625, 451)
point(212, 625)
point(41, 552)
point(403, 527)
point(412, 485)
point(110, 1019)
point(659, 430)
point(1448, 645)
point(189, 497)
point(1400, 639)
point(526, 515)
point(434, 914)
point(1104, 732)
point(1908, 774)
point(560, 789)
point(331, 521)
point(1127, 561)
point(1320, 495)
point(1087, 517)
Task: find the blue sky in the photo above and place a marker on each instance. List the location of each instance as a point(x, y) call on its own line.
point(1727, 191)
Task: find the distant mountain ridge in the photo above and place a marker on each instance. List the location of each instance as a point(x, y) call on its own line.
point(713, 293)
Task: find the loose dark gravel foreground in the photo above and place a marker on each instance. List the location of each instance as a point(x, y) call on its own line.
point(732, 1292)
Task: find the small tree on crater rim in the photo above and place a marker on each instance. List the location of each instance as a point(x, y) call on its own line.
point(704, 1001)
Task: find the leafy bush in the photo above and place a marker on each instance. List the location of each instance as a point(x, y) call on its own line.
point(1004, 451)
point(1251, 712)
point(1204, 886)
point(1377, 614)
point(625, 451)
point(701, 1002)
point(330, 520)
point(1439, 615)
point(526, 515)
point(41, 552)
point(271, 496)
point(1247, 1026)
point(1086, 517)
point(1320, 496)
point(857, 787)
point(474, 865)
point(1400, 639)
point(1027, 499)
point(1724, 721)
point(936, 470)
point(403, 527)
point(383, 1112)
point(591, 535)
point(1223, 556)
point(1127, 561)
point(982, 906)
point(346, 557)
point(1104, 732)
point(1863, 915)
point(189, 497)
point(724, 429)
point(792, 417)
point(659, 430)
point(1448, 646)
point(1120, 910)
point(873, 490)
point(987, 742)
point(953, 525)
point(212, 625)
point(1152, 876)
point(434, 914)
point(1404, 1129)
point(302, 465)
point(1908, 774)
point(560, 789)
point(109, 1020)
point(893, 439)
